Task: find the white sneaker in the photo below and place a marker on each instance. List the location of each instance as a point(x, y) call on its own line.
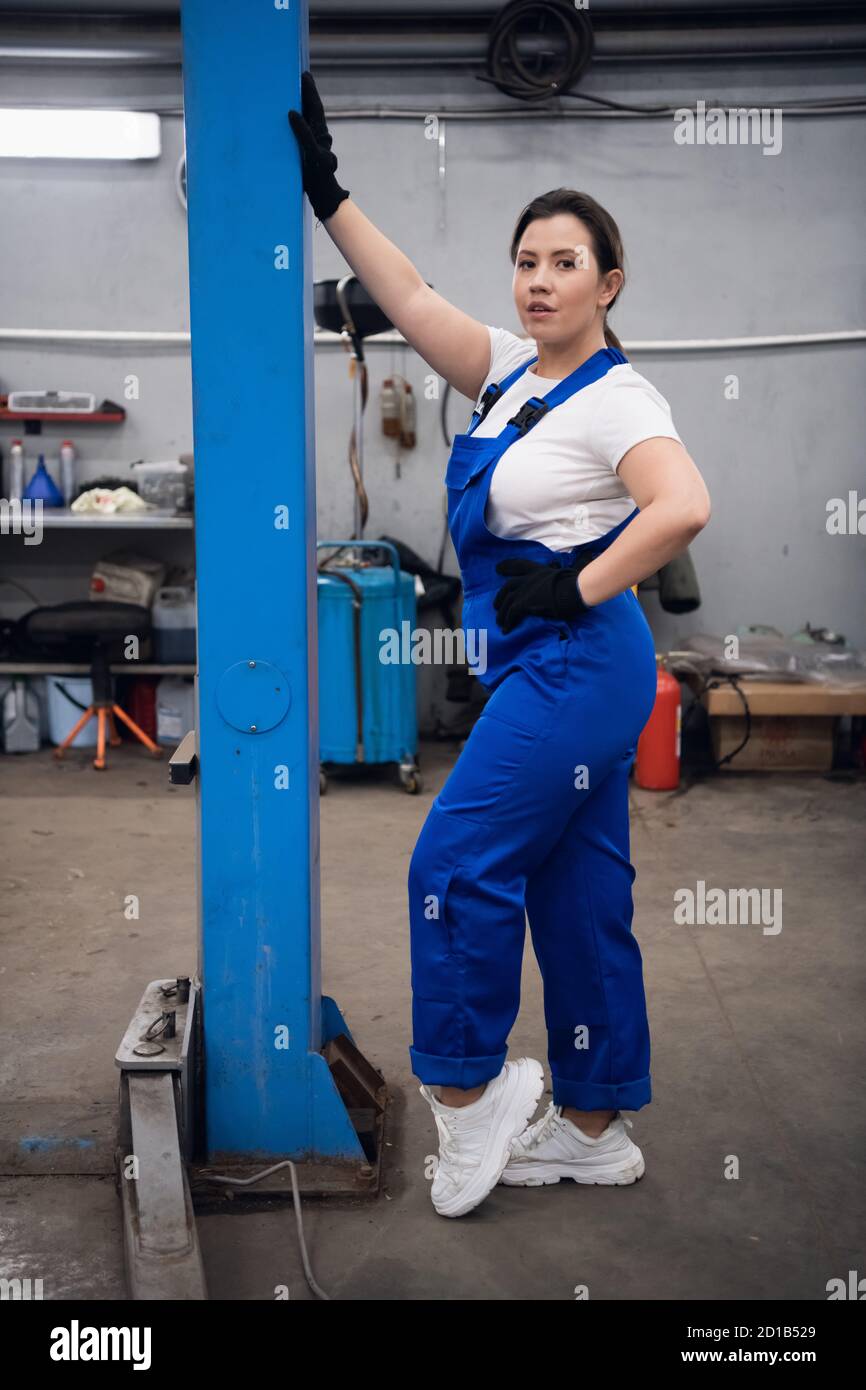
point(475, 1140)
point(555, 1148)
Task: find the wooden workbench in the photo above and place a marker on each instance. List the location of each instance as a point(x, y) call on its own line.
point(792, 722)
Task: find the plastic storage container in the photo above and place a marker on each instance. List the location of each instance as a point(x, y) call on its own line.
point(174, 625)
point(21, 721)
point(175, 709)
point(66, 695)
point(68, 472)
point(367, 708)
point(163, 485)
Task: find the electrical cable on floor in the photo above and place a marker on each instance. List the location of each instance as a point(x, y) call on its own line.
point(714, 682)
point(296, 1195)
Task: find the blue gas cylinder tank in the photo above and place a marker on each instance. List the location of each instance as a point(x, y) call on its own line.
point(367, 680)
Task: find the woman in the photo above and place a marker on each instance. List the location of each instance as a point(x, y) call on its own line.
point(570, 485)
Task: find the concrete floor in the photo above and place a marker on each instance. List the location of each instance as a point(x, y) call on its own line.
point(757, 1049)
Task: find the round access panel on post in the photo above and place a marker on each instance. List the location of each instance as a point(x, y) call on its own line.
point(253, 696)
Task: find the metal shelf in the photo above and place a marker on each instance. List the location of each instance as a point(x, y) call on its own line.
point(82, 668)
point(61, 417)
point(108, 413)
point(60, 518)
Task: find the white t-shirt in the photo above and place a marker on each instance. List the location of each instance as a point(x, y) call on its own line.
point(559, 484)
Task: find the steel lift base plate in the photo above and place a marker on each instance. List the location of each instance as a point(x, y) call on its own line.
point(160, 1174)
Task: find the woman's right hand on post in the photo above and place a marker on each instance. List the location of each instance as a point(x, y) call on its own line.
point(314, 143)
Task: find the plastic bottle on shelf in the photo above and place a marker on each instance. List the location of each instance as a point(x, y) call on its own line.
point(67, 472)
point(16, 470)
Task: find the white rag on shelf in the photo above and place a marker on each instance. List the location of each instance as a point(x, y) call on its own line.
point(109, 500)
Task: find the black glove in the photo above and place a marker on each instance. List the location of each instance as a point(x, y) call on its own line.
point(538, 590)
point(314, 143)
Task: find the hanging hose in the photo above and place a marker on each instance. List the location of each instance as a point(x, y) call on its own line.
point(561, 44)
point(354, 465)
point(353, 341)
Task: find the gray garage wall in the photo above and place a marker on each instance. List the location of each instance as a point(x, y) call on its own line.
point(720, 241)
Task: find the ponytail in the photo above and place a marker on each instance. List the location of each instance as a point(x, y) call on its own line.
point(611, 339)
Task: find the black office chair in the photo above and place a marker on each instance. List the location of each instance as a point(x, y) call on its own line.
point(97, 632)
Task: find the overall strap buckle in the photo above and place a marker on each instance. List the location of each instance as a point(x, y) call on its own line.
point(529, 414)
point(488, 400)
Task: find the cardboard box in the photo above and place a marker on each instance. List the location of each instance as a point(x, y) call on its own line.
point(792, 723)
point(777, 743)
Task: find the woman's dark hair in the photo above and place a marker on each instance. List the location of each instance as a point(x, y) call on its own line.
point(606, 240)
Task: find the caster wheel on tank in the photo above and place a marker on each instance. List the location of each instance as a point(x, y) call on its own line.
point(323, 782)
point(410, 779)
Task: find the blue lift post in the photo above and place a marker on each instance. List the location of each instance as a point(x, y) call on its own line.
point(285, 1096)
point(269, 1092)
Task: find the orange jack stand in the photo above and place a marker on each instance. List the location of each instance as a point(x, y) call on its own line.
point(104, 715)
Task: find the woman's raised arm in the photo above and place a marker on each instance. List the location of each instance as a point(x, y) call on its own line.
point(454, 344)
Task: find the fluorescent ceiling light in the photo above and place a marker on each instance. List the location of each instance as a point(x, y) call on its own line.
point(42, 133)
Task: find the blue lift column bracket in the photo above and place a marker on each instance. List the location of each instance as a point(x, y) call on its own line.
point(269, 1089)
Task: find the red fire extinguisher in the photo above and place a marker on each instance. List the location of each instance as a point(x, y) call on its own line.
point(657, 765)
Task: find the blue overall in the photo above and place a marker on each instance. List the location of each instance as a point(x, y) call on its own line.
point(533, 820)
